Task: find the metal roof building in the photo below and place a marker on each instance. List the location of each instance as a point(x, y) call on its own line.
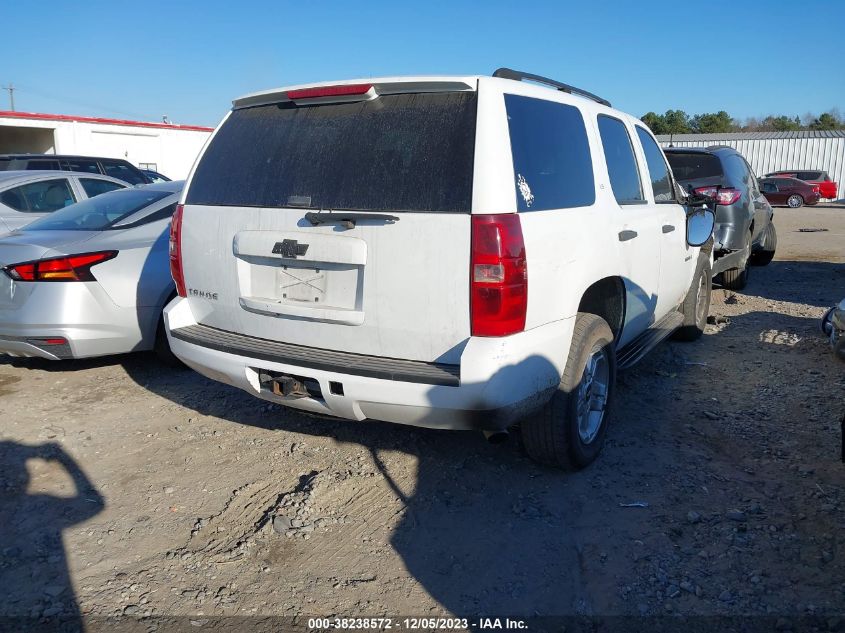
point(164, 147)
point(771, 151)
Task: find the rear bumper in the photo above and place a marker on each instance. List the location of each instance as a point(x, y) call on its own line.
point(499, 381)
point(81, 313)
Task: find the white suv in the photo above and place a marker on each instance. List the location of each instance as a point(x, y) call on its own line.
point(448, 252)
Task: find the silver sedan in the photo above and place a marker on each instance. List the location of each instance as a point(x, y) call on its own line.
point(90, 279)
point(28, 195)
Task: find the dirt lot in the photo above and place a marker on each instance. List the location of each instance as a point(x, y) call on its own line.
point(132, 489)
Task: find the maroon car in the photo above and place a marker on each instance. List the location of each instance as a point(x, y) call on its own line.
point(789, 192)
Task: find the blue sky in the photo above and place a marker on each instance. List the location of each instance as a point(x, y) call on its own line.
point(188, 60)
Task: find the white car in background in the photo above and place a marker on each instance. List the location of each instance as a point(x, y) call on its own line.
point(90, 279)
point(26, 196)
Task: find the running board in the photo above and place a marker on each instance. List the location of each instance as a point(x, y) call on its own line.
point(634, 351)
point(726, 262)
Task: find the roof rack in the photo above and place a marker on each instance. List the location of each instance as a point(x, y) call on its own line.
point(518, 75)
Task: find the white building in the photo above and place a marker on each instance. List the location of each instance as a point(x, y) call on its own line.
point(772, 151)
point(168, 149)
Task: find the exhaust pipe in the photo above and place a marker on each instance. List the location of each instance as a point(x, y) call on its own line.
point(496, 437)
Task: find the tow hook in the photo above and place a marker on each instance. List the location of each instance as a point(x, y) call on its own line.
point(289, 387)
point(496, 437)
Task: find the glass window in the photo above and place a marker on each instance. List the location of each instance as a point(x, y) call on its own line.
point(124, 172)
point(810, 175)
point(44, 196)
point(768, 186)
point(404, 152)
point(102, 212)
point(694, 165)
point(552, 165)
point(162, 214)
point(82, 165)
point(621, 163)
point(50, 165)
point(737, 171)
point(661, 183)
point(94, 187)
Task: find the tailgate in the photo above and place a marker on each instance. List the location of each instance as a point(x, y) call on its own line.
point(395, 285)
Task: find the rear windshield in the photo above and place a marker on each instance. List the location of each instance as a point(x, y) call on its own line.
point(811, 175)
point(100, 213)
point(694, 165)
point(408, 152)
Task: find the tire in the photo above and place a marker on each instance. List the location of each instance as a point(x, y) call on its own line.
point(552, 436)
point(696, 305)
point(795, 201)
point(737, 278)
point(767, 248)
point(162, 349)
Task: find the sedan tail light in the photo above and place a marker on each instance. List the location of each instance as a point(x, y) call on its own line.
point(176, 251)
point(67, 268)
point(498, 276)
point(722, 195)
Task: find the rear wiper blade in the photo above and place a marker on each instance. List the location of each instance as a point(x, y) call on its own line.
point(347, 219)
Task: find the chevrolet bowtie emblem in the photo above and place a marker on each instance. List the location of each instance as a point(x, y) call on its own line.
point(290, 249)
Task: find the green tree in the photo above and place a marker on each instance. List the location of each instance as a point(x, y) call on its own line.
point(781, 124)
point(721, 121)
point(677, 122)
point(655, 122)
point(826, 121)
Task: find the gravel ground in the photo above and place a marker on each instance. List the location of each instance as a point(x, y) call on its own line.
point(132, 489)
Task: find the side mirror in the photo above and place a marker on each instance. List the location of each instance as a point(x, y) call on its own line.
point(700, 224)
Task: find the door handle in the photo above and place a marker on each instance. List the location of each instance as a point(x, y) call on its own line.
point(668, 228)
point(624, 236)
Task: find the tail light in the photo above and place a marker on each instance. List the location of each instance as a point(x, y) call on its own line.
point(68, 268)
point(176, 251)
point(498, 276)
point(816, 189)
point(722, 195)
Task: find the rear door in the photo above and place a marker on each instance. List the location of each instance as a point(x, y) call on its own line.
point(677, 263)
point(395, 284)
point(638, 227)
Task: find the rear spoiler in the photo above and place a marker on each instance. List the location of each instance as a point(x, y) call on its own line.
point(355, 90)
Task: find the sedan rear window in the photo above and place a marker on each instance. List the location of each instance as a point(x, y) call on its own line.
point(407, 152)
point(100, 213)
point(694, 165)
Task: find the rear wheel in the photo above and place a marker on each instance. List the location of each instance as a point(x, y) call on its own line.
point(570, 429)
point(696, 305)
point(737, 278)
point(794, 201)
point(767, 247)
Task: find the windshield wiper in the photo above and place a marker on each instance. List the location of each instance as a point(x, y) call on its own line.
point(347, 219)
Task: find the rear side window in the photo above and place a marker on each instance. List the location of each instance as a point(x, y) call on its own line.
point(661, 184)
point(50, 165)
point(621, 164)
point(694, 165)
point(811, 175)
point(552, 165)
point(94, 187)
point(405, 152)
point(737, 171)
point(44, 196)
point(124, 172)
point(80, 164)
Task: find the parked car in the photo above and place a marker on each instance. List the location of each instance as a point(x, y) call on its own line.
point(438, 266)
point(28, 195)
point(90, 279)
point(154, 176)
point(789, 192)
point(114, 167)
point(744, 230)
point(827, 188)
